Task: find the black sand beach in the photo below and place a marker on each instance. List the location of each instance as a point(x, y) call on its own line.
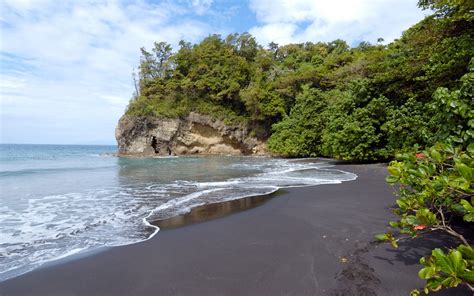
point(302, 241)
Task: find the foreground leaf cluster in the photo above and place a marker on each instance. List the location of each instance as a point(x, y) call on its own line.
point(436, 188)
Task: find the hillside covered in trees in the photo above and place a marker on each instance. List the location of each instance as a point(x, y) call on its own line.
point(325, 99)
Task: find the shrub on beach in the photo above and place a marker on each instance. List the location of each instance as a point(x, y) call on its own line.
point(436, 188)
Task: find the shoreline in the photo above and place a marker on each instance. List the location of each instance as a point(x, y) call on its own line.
point(300, 240)
point(196, 214)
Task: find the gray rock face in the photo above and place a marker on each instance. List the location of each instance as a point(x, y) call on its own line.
point(195, 134)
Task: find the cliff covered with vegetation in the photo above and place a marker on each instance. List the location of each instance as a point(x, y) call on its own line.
point(317, 99)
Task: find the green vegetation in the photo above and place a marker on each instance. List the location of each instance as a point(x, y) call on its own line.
point(412, 98)
point(317, 99)
point(436, 189)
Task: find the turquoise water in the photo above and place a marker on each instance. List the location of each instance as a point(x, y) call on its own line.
point(58, 200)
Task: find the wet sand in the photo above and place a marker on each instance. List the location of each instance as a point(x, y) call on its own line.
point(301, 241)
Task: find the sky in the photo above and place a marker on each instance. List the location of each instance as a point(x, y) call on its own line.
point(66, 66)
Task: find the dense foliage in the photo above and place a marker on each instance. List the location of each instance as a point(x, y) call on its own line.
point(436, 191)
point(325, 99)
point(437, 188)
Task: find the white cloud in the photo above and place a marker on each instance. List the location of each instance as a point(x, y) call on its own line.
point(304, 10)
point(281, 33)
point(69, 63)
point(286, 21)
point(201, 6)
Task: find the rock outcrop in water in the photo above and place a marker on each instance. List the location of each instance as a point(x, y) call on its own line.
point(194, 134)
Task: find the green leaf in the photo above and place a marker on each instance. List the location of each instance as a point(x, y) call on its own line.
point(455, 258)
point(467, 205)
point(425, 216)
point(458, 208)
point(470, 149)
point(436, 155)
point(423, 171)
point(438, 186)
point(382, 237)
point(412, 220)
point(392, 179)
point(434, 284)
point(467, 252)
point(465, 171)
point(460, 183)
point(393, 224)
point(401, 203)
point(467, 275)
point(393, 171)
point(447, 281)
point(442, 261)
point(427, 272)
point(394, 243)
point(468, 217)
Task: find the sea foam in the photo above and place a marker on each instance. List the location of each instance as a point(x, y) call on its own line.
point(57, 213)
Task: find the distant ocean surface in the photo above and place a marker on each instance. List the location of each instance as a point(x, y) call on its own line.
point(58, 200)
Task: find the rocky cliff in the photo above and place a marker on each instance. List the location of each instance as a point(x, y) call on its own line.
point(194, 134)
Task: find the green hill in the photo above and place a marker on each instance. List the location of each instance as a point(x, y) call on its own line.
point(320, 99)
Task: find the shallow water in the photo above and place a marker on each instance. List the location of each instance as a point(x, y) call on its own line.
point(58, 200)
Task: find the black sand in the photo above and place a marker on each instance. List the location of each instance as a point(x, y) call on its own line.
point(305, 241)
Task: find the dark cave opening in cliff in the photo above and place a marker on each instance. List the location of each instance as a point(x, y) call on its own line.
point(154, 144)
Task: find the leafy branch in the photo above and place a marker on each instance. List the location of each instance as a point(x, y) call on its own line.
point(436, 185)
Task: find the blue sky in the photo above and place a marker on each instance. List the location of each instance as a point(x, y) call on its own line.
point(65, 66)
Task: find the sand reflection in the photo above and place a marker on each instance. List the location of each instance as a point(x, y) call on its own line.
point(215, 210)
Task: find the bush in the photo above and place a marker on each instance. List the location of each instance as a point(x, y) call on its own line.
point(435, 186)
point(355, 133)
point(299, 134)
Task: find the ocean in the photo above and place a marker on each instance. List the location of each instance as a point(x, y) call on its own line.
point(60, 200)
